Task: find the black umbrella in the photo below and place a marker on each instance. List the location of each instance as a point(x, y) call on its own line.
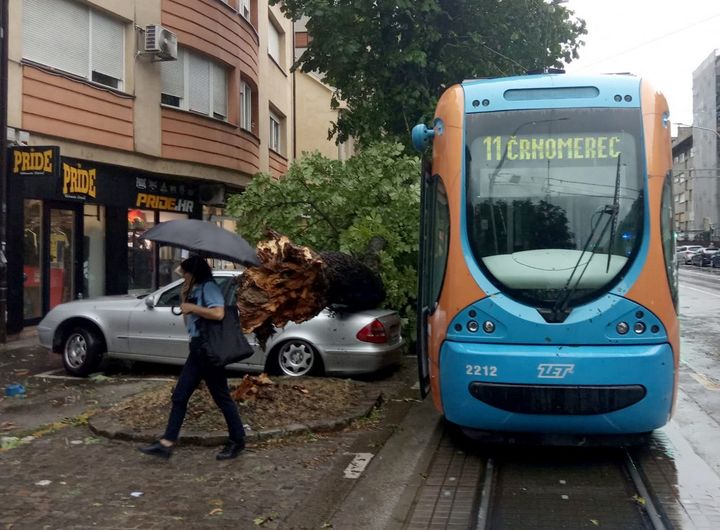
point(205, 238)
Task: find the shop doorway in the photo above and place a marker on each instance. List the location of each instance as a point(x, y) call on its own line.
point(51, 250)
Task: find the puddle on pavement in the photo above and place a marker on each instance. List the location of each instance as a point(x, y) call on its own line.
point(687, 488)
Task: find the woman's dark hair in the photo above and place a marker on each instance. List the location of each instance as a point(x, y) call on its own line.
point(199, 269)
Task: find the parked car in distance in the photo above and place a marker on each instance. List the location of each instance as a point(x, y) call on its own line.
point(145, 328)
point(684, 253)
point(702, 258)
point(715, 261)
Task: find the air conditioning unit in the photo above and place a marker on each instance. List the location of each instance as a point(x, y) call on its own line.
point(161, 43)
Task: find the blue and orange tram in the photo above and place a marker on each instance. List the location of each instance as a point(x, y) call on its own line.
point(548, 285)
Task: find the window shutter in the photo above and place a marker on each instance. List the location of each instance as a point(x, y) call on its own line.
point(57, 34)
point(199, 84)
point(108, 45)
point(273, 42)
point(172, 76)
point(219, 90)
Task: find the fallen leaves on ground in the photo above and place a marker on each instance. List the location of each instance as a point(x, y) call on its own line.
point(275, 402)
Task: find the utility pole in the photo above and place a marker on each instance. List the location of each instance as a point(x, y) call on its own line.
point(3, 165)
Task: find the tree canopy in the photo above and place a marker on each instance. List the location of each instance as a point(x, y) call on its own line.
point(367, 206)
point(389, 61)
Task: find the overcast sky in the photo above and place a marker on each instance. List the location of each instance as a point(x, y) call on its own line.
point(661, 40)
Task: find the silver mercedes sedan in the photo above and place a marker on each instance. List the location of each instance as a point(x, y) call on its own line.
point(145, 328)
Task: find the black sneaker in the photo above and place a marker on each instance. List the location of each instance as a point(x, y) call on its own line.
point(157, 449)
point(231, 450)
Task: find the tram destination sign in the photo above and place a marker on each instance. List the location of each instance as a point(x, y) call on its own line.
point(553, 147)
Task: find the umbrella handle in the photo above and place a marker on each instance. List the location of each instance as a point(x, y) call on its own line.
point(178, 312)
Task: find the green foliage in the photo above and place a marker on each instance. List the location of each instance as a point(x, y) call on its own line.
point(330, 205)
point(390, 61)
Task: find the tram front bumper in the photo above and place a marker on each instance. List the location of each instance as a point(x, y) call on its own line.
point(557, 389)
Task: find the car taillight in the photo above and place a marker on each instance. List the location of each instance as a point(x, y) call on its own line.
point(373, 332)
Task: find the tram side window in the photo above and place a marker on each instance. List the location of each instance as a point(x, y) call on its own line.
point(439, 241)
point(668, 238)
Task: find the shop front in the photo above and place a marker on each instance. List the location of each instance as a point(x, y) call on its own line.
point(75, 227)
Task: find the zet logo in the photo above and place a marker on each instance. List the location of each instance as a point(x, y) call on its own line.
point(555, 371)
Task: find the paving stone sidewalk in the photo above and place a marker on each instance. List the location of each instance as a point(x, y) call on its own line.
point(75, 478)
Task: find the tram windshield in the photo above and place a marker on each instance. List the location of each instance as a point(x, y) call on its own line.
point(554, 200)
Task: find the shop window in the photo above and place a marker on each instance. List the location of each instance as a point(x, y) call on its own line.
point(141, 262)
point(92, 44)
point(32, 260)
point(62, 256)
point(170, 257)
point(216, 215)
point(93, 250)
point(195, 83)
point(148, 267)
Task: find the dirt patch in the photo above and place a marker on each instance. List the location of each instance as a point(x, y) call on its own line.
point(288, 400)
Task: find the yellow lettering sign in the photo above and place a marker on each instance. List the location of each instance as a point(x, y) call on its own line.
point(598, 147)
point(33, 161)
point(78, 181)
point(161, 202)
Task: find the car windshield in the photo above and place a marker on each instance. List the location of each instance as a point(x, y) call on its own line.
point(555, 202)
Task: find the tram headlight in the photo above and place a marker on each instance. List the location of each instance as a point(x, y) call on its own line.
point(488, 326)
point(622, 328)
point(639, 328)
point(473, 326)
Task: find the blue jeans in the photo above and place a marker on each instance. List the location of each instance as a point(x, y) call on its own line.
point(197, 367)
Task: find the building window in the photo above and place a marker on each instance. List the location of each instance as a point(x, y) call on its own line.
point(195, 83)
point(245, 9)
point(692, 152)
point(71, 37)
point(274, 42)
point(246, 106)
point(275, 133)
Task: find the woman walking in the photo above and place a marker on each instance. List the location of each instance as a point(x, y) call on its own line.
point(203, 299)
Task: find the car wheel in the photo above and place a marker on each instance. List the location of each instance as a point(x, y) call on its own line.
point(297, 358)
point(82, 352)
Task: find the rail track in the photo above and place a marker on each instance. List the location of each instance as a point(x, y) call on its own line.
point(535, 486)
point(564, 488)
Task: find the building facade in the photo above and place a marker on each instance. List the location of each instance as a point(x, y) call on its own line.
point(683, 166)
point(126, 113)
point(706, 123)
point(313, 109)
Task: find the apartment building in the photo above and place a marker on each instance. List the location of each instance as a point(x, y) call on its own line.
point(126, 113)
point(683, 180)
point(313, 109)
point(706, 144)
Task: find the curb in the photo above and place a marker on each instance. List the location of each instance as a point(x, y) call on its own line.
point(398, 468)
point(109, 429)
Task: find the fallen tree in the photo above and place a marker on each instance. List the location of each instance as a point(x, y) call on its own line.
point(294, 283)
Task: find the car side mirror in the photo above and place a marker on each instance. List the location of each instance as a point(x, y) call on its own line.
point(150, 301)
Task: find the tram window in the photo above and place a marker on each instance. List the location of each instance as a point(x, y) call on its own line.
point(668, 238)
point(438, 241)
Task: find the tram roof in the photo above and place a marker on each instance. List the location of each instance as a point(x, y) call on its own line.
point(546, 90)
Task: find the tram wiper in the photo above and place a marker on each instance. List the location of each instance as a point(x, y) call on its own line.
point(559, 310)
point(614, 214)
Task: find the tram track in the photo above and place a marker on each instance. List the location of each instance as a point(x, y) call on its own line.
point(564, 488)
